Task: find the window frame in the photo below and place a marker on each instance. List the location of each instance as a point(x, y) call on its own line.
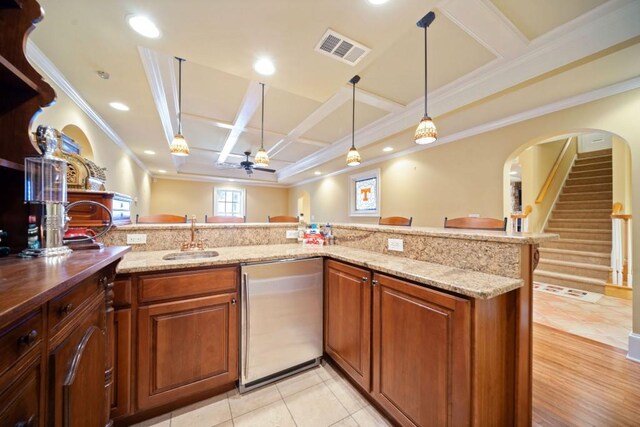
point(243, 201)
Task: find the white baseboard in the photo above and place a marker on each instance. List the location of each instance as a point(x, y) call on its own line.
point(634, 347)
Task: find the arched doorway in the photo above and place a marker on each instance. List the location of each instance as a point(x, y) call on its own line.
point(80, 138)
point(572, 180)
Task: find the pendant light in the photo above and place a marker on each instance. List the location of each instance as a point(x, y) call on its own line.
point(262, 158)
point(179, 145)
point(426, 132)
point(353, 157)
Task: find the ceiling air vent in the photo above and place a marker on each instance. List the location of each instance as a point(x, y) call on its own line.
point(341, 48)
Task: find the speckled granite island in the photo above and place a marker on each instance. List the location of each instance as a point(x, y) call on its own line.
point(464, 328)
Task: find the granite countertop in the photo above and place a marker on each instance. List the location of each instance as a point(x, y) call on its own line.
point(465, 282)
point(454, 233)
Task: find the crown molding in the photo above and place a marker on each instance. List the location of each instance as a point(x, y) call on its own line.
point(573, 101)
point(37, 57)
point(614, 22)
point(206, 178)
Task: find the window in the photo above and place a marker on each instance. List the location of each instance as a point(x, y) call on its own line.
point(364, 189)
point(228, 201)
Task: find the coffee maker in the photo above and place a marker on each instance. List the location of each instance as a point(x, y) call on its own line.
point(46, 193)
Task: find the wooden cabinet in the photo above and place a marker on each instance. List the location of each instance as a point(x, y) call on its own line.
point(20, 403)
point(120, 343)
point(347, 323)
point(87, 215)
point(421, 354)
point(186, 347)
point(77, 370)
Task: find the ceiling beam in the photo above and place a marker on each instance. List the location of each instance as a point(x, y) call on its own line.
point(227, 125)
point(487, 25)
point(250, 103)
point(376, 101)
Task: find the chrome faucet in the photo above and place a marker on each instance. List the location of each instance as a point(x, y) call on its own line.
point(193, 245)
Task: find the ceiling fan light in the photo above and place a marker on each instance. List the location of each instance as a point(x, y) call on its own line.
point(179, 146)
point(426, 133)
point(353, 157)
point(261, 158)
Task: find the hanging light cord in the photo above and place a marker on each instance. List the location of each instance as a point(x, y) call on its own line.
point(425, 72)
point(262, 128)
point(179, 95)
point(353, 118)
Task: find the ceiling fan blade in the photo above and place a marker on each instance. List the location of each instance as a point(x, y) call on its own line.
point(264, 169)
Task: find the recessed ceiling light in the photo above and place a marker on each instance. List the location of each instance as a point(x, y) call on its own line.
point(144, 26)
point(231, 179)
point(387, 149)
point(317, 173)
point(264, 66)
point(162, 171)
point(150, 152)
point(378, 2)
point(119, 106)
point(103, 74)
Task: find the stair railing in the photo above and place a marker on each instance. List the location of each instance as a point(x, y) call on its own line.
point(520, 220)
point(553, 172)
point(621, 247)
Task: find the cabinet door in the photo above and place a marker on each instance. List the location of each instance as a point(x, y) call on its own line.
point(421, 354)
point(121, 355)
point(19, 405)
point(348, 319)
point(77, 373)
point(186, 347)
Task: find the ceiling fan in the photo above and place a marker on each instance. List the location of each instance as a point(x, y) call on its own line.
point(247, 165)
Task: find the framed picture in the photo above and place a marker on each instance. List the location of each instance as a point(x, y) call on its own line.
point(364, 189)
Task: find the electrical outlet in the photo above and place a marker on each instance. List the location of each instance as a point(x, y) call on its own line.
point(473, 215)
point(396, 245)
point(136, 239)
point(292, 234)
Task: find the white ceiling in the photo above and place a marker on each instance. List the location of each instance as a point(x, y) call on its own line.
point(477, 48)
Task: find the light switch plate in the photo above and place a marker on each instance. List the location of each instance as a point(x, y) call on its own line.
point(136, 239)
point(292, 234)
point(395, 245)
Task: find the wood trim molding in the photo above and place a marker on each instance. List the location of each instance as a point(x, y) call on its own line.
point(36, 56)
point(553, 172)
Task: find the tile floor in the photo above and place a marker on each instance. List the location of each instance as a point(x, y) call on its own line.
point(607, 321)
point(316, 398)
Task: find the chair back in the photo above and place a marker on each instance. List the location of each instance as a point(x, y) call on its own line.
point(472, 223)
point(395, 220)
point(282, 218)
point(160, 219)
point(220, 219)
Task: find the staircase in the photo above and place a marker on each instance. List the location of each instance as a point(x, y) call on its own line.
point(581, 258)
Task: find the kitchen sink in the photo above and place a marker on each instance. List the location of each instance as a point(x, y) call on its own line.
point(190, 255)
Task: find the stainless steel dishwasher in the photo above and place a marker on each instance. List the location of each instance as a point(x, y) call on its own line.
point(281, 321)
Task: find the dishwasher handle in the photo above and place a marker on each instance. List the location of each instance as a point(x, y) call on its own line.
point(247, 323)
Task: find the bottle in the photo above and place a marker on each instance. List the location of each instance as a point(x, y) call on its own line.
point(32, 233)
point(301, 227)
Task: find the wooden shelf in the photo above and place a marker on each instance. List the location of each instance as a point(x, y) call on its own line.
point(10, 4)
point(11, 77)
point(8, 164)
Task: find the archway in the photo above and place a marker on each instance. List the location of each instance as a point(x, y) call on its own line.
point(80, 138)
point(572, 179)
point(304, 205)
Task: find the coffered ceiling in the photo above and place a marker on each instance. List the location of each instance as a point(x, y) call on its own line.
point(477, 49)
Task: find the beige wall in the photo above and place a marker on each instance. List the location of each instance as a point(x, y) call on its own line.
point(467, 176)
point(537, 162)
point(196, 198)
point(622, 190)
point(123, 173)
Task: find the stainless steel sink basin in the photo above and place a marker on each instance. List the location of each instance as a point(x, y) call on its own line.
point(190, 255)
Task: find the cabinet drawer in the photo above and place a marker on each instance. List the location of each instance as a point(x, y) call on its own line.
point(121, 205)
point(120, 215)
point(18, 339)
point(157, 287)
point(61, 308)
point(19, 405)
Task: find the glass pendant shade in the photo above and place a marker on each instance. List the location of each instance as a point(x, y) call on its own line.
point(179, 146)
point(261, 158)
point(426, 133)
point(353, 157)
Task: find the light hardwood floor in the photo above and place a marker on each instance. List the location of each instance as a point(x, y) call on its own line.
point(580, 382)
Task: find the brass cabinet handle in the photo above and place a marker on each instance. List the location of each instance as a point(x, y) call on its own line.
point(374, 282)
point(103, 280)
point(29, 423)
point(365, 279)
point(66, 309)
point(233, 301)
point(28, 339)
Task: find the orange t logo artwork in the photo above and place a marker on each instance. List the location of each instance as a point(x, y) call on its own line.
point(365, 194)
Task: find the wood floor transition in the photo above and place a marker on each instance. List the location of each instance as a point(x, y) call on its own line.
point(580, 382)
